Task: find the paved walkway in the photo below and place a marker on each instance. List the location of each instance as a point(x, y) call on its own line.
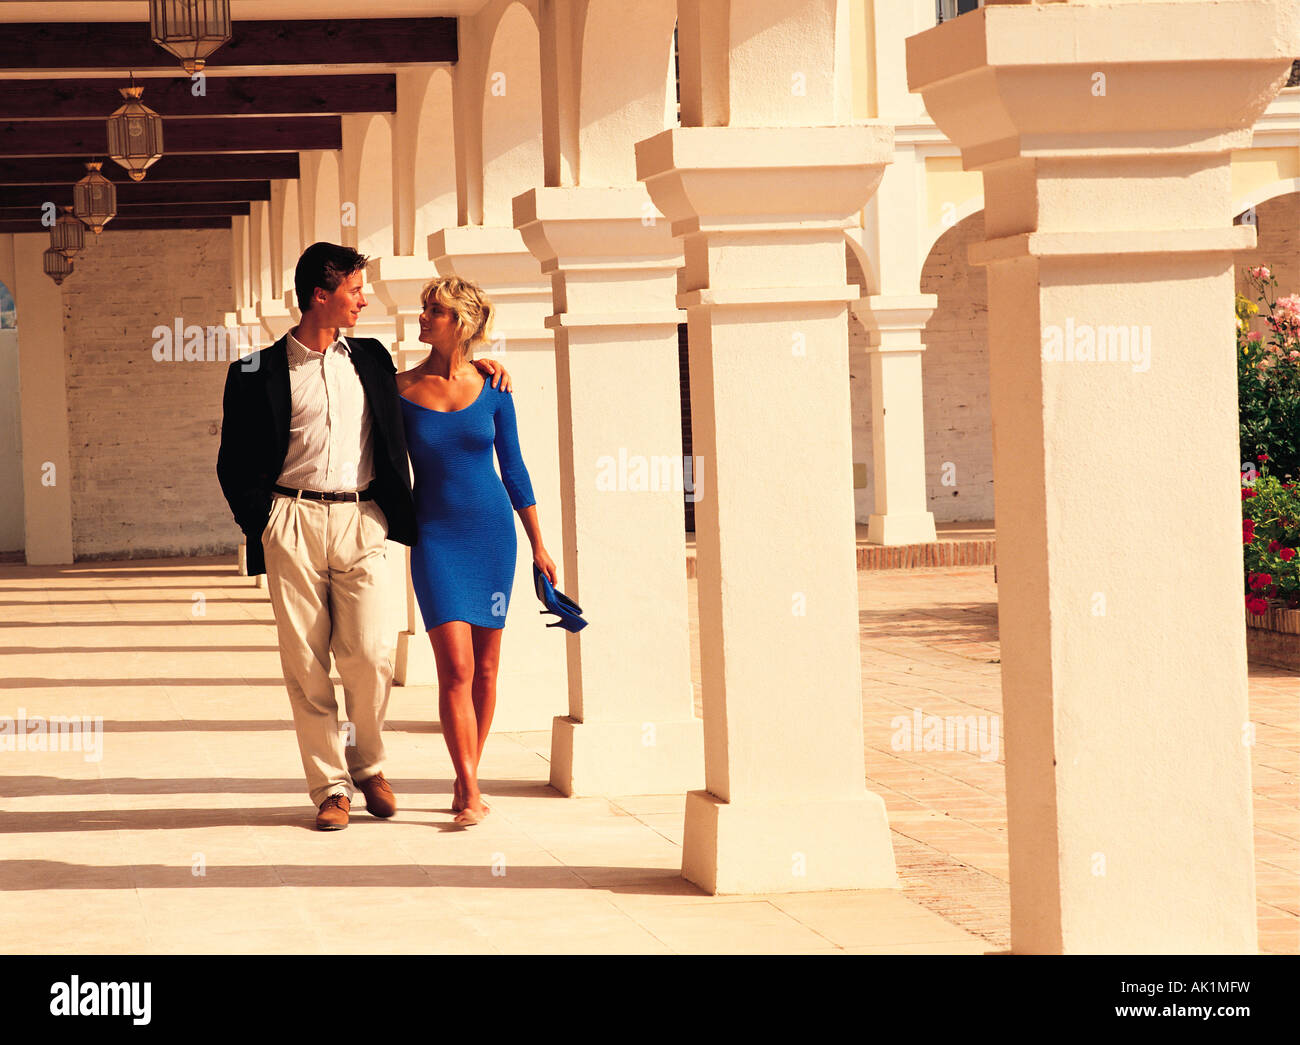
point(191, 833)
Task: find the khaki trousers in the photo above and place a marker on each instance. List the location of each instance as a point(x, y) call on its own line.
point(324, 572)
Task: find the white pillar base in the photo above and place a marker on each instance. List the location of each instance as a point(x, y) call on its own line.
point(786, 847)
point(901, 529)
point(626, 758)
point(413, 663)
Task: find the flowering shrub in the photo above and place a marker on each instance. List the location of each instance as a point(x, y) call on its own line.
point(1270, 531)
point(1268, 375)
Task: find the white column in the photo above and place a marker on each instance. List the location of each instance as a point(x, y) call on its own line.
point(1104, 133)
point(894, 327)
point(762, 211)
point(631, 726)
point(47, 466)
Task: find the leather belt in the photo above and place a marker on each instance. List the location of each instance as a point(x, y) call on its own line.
point(316, 495)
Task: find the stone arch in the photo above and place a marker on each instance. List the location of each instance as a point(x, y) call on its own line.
point(321, 197)
point(287, 238)
point(1277, 218)
point(368, 183)
point(955, 379)
point(512, 114)
point(859, 264)
point(432, 168)
point(963, 211)
point(625, 93)
point(1255, 197)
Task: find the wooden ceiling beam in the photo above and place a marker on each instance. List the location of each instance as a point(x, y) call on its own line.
point(174, 98)
point(126, 224)
point(63, 170)
point(144, 192)
point(146, 210)
point(220, 134)
point(298, 42)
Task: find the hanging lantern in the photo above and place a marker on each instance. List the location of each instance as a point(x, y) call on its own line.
point(68, 236)
point(189, 29)
point(135, 134)
point(94, 199)
point(57, 267)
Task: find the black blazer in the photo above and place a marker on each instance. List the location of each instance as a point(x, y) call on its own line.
point(255, 439)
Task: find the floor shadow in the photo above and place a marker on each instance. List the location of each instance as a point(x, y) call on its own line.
point(38, 786)
point(47, 821)
point(40, 875)
point(24, 650)
point(210, 725)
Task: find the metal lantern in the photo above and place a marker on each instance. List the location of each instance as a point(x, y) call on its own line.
point(189, 29)
point(57, 267)
point(68, 236)
point(94, 199)
point(135, 134)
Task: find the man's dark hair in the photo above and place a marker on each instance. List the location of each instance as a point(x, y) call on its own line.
point(324, 265)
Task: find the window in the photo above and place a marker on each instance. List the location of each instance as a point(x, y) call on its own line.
point(946, 9)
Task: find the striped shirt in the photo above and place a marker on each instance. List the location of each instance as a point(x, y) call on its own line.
point(330, 434)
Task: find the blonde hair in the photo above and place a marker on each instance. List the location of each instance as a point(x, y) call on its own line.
point(473, 309)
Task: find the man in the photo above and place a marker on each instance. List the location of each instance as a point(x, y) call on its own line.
point(313, 464)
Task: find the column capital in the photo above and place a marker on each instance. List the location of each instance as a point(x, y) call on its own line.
point(763, 179)
point(592, 228)
point(1035, 80)
point(894, 322)
point(606, 249)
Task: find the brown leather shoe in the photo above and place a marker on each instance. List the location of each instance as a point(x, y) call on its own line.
point(333, 815)
point(380, 801)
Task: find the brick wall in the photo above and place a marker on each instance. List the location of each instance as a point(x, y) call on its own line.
point(955, 385)
point(1279, 246)
point(955, 373)
point(144, 434)
point(860, 400)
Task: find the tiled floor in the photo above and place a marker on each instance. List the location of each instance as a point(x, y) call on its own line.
point(191, 833)
point(929, 641)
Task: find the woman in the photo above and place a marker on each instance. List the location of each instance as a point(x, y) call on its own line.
point(463, 564)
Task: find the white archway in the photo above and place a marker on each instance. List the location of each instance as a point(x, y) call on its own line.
point(512, 115)
point(625, 93)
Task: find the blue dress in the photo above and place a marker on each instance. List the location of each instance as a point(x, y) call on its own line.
point(463, 564)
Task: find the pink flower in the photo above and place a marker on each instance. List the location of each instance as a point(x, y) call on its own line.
point(1261, 272)
point(1254, 335)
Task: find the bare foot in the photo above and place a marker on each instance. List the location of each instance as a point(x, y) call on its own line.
point(473, 810)
point(458, 803)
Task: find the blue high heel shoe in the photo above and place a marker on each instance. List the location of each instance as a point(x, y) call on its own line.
point(568, 611)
